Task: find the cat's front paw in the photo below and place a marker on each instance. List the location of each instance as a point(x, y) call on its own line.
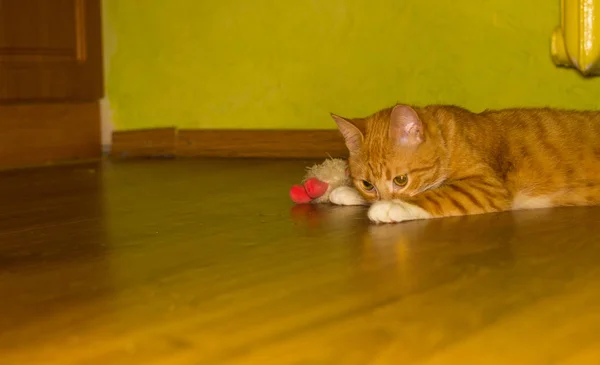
point(346, 195)
point(395, 212)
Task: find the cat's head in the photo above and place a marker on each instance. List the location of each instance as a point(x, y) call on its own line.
point(393, 153)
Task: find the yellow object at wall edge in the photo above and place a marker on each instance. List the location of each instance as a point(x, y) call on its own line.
point(575, 42)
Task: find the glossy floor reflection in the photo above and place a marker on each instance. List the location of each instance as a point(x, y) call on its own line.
point(208, 262)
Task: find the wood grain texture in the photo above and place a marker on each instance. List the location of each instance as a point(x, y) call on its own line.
point(50, 50)
point(259, 143)
point(229, 143)
point(37, 134)
point(159, 142)
point(163, 262)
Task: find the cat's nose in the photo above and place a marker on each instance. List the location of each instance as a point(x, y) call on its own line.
point(384, 195)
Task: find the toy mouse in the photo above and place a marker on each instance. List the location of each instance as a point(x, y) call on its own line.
point(327, 182)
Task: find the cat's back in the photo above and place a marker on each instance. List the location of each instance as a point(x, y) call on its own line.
point(549, 130)
point(567, 128)
point(533, 151)
point(549, 148)
point(561, 119)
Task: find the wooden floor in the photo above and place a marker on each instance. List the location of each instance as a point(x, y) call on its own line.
point(208, 262)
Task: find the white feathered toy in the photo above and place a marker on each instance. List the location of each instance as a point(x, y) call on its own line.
point(320, 180)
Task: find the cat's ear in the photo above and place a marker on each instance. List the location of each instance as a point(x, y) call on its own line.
point(406, 128)
point(352, 135)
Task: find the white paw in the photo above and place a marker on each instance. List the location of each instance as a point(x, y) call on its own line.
point(395, 211)
point(346, 195)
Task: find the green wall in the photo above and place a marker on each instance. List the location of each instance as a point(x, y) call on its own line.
point(287, 64)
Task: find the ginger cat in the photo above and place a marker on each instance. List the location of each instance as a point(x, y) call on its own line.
point(438, 161)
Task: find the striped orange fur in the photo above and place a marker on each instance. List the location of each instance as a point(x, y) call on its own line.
point(449, 161)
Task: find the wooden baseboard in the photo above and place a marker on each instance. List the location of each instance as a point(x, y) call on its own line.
point(228, 143)
point(158, 142)
point(46, 133)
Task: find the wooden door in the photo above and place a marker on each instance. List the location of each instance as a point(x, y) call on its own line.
point(51, 81)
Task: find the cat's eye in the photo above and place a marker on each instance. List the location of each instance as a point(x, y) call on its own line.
point(401, 180)
point(367, 185)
